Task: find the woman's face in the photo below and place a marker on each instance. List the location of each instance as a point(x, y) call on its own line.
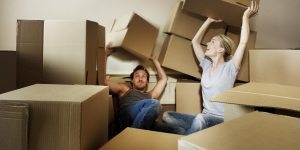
point(213, 46)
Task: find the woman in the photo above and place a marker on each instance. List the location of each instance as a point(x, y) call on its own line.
point(218, 75)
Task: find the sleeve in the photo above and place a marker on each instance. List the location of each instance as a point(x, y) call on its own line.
point(204, 63)
point(232, 70)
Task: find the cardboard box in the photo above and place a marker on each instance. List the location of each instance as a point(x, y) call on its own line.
point(242, 2)
point(101, 66)
point(70, 52)
point(132, 138)
point(257, 130)
point(69, 117)
point(230, 12)
point(255, 94)
point(234, 33)
point(188, 97)
point(29, 52)
point(8, 69)
point(186, 26)
point(14, 126)
point(134, 34)
point(275, 66)
point(177, 54)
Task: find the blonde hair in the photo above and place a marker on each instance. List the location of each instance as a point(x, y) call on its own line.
point(228, 44)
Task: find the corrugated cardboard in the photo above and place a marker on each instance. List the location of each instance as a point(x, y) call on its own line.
point(234, 34)
point(231, 13)
point(242, 2)
point(255, 94)
point(177, 54)
point(69, 117)
point(275, 66)
point(70, 51)
point(101, 36)
point(186, 26)
point(188, 97)
point(8, 69)
point(131, 139)
point(29, 52)
point(101, 66)
point(257, 130)
point(133, 34)
point(13, 126)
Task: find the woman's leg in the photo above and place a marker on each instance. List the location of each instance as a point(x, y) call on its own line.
point(203, 121)
point(178, 119)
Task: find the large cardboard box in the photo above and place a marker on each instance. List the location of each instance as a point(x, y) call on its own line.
point(275, 66)
point(29, 52)
point(177, 54)
point(57, 51)
point(234, 33)
point(70, 51)
point(255, 94)
point(134, 34)
point(188, 97)
point(13, 126)
point(130, 139)
point(257, 130)
point(230, 12)
point(242, 2)
point(101, 66)
point(69, 117)
point(8, 69)
point(186, 26)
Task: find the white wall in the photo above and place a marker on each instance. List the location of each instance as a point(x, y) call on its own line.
point(277, 23)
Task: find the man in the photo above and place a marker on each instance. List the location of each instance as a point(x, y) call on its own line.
point(138, 108)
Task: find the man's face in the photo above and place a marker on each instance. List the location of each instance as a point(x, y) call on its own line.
point(139, 80)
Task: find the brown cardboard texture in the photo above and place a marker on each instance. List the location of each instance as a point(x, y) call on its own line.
point(186, 26)
point(134, 34)
point(29, 52)
point(263, 95)
point(101, 66)
point(70, 51)
point(242, 2)
point(275, 66)
point(69, 117)
point(132, 138)
point(234, 34)
point(101, 35)
point(188, 97)
point(177, 54)
point(257, 130)
point(13, 126)
point(230, 13)
point(8, 69)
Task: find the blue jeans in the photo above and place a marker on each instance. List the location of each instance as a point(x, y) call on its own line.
point(141, 114)
point(185, 124)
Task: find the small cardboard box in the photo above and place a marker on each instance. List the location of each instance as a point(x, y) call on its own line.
point(188, 97)
point(255, 94)
point(131, 138)
point(275, 66)
point(69, 117)
point(257, 130)
point(8, 69)
point(230, 12)
point(186, 26)
point(14, 126)
point(177, 54)
point(234, 34)
point(134, 34)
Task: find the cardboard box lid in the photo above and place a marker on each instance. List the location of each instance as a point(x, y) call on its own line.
point(230, 13)
point(131, 138)
point(53, 92)
point(262, 95)
point(275, 66)
point(257, 130)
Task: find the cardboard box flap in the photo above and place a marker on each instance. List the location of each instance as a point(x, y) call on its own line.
point(131, 138)
point(263, 95)
point(122, 22)
point(257, 130)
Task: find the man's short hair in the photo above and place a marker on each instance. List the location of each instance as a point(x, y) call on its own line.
point(139, 67)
